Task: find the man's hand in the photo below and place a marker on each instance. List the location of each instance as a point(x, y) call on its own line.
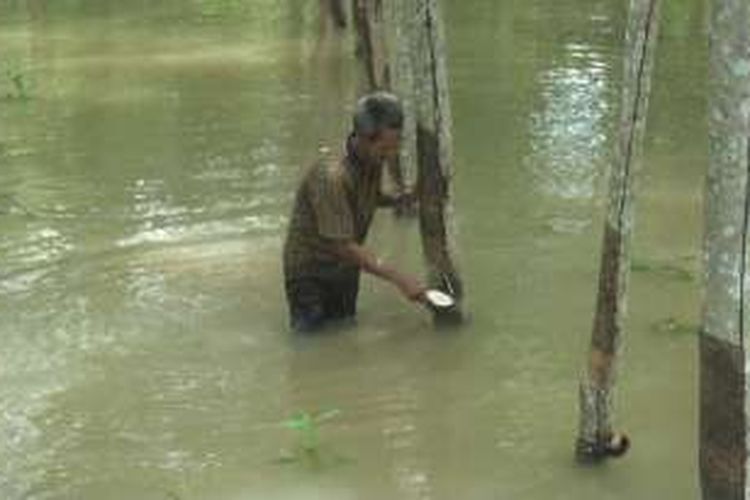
point(405, 203)
point(411, 288)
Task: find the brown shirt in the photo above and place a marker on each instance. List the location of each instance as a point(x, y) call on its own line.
point(335, 201)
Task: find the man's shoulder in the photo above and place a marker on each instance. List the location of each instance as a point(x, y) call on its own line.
point(328, 167)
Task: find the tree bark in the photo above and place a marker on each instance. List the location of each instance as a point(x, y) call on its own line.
point(424, 39)
point(332, 12)
point(377, 42)
point(370, 24)
point(723, 349)
point(338, 13)
point(402, 45)
point(596, 437)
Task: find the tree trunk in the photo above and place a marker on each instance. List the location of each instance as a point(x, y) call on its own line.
point(377, 42)
point(370, 25)
point(434, 143)
point(338, 13)
point(596, 438)
point(332, 12)
point(723, 349)
point(401, 44)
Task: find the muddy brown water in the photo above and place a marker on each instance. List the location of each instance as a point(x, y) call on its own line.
point(148, 154)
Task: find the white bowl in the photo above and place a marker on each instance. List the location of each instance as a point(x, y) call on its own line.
point(438, 298)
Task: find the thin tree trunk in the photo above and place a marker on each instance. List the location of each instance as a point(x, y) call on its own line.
point(402, 52)
point(401, 44)
point(434, 144)
point(596, 437)
point(338, 13)
point(377, 43)
point(332, 12)
point(723, 348)
point(370, 24)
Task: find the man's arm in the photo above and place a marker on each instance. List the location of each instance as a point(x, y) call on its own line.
point(363, 258)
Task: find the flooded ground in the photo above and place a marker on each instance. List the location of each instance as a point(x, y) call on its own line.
point(148, 156)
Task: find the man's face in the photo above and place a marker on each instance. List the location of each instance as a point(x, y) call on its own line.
point(387, 143)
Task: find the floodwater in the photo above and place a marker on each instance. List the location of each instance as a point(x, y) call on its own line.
point(148, 155)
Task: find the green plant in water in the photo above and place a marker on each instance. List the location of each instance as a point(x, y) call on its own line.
point(19, 84)
point(307, 428)
point(668, 270)
point(674, 326)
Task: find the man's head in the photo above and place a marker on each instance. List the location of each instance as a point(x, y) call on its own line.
point(377, 123)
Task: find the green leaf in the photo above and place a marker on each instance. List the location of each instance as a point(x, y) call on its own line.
point(300, 421)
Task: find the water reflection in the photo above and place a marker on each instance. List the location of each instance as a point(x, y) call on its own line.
point(568, 132)
point(401, 429)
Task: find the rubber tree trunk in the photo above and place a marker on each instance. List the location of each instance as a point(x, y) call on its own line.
point(331, 13)
point(370, 24)
point(402, 44)
point(337, 12)
point(421, 65)
point(724, 326)
point(377, 45)
point(596, 437)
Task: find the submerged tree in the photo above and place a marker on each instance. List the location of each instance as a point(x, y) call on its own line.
point(332, 12)
point(596, 437)
point(370, 23)
point(401, 44)
point(724, 329)
point(434, 142)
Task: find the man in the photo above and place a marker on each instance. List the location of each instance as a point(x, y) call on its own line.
point(333, 210)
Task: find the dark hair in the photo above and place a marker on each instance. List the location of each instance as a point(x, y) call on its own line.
point(378, 111)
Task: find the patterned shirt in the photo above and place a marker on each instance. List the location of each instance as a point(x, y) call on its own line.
point(335, 202)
